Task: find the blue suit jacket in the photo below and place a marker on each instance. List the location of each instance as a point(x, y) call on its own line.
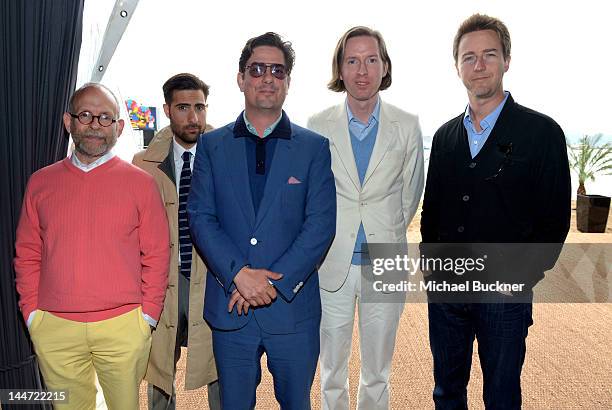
point(290, 233)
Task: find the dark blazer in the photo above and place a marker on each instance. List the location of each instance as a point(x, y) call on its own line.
point(290, 233)
point(517, 189)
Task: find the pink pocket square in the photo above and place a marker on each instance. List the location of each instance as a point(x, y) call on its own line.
point(293, 181)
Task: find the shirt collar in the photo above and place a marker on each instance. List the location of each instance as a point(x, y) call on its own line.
point(282, 128)
point(375, 115)
point(178, 149)
point(88, 167)
point(267, 131)
point(490, 119)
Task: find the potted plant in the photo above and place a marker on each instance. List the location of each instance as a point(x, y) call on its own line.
point(588, 159)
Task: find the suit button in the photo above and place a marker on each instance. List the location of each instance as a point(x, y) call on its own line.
point(472, 165)
point(253, 241)
point(460, 229)
point(466, 198)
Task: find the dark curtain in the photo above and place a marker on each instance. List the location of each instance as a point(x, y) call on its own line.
point(40, 43)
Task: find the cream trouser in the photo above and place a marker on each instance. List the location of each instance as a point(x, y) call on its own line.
point(378, 323)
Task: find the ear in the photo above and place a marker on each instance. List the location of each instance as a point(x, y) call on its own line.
point(288, 83)
point(506, 64)
point(120, 125)
point(67, 120)
point(240, 81)
point(385, 70)
point(167, 110)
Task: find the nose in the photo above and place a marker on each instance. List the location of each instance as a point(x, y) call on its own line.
point(362, 68)
point(267, 76)
point(192, 116)
point(480, 64)
point(95, 124)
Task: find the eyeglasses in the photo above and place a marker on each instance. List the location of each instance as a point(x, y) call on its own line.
point(87, 118)
point(257, 70)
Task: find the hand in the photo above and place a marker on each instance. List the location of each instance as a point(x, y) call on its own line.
point(254, 286)
point(241, 304)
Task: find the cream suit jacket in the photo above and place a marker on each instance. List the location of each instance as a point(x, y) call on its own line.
point(391, 190)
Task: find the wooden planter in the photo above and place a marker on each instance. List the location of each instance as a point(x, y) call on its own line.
point(592, 212)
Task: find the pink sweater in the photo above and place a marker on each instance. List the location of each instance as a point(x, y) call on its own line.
point(92, 245)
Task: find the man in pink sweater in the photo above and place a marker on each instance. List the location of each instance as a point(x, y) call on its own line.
point(92, 255)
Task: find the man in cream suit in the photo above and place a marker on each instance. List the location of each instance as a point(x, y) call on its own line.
point(377, 160)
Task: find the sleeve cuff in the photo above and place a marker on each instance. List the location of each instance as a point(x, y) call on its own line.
point(149, 320)
point(31, 318)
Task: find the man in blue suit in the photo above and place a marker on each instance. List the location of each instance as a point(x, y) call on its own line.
point(262, 209)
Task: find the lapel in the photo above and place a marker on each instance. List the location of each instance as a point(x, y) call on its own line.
point(160, 151)
point(339, 135)
point(461, 141)
point(167, 165)
point(277, 178)
point(386, 129)
point(236, 165)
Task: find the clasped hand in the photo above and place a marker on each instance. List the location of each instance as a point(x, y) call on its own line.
point(252, 289)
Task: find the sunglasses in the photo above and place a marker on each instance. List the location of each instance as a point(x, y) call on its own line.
point(257, 70)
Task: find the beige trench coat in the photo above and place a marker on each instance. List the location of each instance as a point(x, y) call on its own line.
point(158, 161)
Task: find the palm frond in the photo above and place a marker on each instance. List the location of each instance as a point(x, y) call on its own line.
point(588, 158)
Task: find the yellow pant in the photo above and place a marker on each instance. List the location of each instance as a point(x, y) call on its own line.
point(70, 354)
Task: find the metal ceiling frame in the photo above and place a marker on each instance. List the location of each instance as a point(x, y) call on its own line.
point(117, 23)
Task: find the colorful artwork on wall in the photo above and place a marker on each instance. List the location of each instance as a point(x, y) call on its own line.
point(141, 116)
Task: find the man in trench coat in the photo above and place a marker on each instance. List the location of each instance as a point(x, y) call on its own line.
point(181, 322)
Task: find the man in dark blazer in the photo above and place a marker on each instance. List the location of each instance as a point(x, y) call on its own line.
point(498, 173)
point(262, 209)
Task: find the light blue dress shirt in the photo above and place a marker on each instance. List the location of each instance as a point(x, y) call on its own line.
point(363, 138)
point(477, 139)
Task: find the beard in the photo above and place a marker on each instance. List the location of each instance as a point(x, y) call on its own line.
point(186, 133)
point(483, 91)
point(93, 144)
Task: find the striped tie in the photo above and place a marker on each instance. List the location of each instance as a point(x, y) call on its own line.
point(184, 235)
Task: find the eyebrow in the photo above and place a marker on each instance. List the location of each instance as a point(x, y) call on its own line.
point(111, 113)
point(377, 55)
point(486, 50)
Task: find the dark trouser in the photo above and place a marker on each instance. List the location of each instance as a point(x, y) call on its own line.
point(291, 359)
point(159, 399)
point(501, 329)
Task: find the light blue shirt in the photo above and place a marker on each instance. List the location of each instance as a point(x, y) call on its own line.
point(477, 139)
point(363, 138)
point(267, 131)
point(358, 128)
